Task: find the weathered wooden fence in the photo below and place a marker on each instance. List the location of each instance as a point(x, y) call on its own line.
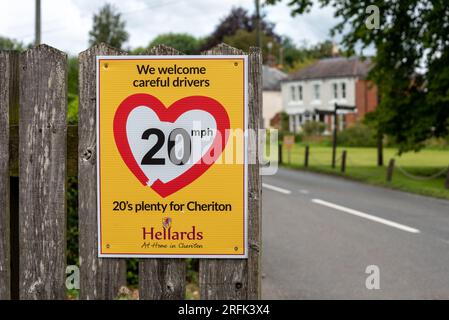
point(38, 147)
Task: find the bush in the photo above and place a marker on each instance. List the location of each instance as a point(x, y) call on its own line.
point(72, 113)
point(281, 135)
point(72, 221)
point(437, 143)
point(313, 128)
point(132, 272)
point(298, 137)
point(358, 135)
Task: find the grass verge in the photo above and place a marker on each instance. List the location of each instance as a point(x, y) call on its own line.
point(412, 173)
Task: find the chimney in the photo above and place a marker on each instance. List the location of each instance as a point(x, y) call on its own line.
point(335, 49)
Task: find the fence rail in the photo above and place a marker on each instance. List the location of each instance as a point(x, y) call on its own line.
point(38, 146)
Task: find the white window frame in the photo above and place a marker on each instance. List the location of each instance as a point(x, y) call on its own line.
point(293, 93)
point(335, 90)
point(344, 90)
point(300, 92)
point(314, 86)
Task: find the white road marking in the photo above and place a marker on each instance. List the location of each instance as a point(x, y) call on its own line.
point(366, 216)
point(274, 188)
point(303, 191)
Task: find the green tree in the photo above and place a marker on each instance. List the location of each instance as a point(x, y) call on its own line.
point(72, 90)
point(298, 57)
point(411, 66)
point(108, 27)
point(285, 122)
point(180, 41)
point(11, 44)
point(139, 50)
point(291, 53)
point(321, 50)
point(238, 19)
point(243, 39)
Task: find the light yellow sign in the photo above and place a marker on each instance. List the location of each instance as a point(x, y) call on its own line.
point(172, 156)
point(289, 141)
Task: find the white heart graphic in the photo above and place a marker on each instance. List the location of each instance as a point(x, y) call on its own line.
point(143, 118)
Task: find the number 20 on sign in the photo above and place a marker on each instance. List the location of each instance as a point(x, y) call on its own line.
point(172, 156)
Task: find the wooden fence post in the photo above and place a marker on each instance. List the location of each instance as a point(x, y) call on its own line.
point(390, 170)
point(254, 179)
point(42, 173)
point(334, 138)
point(162, 279)
point(446, 184)
point(306, 157)
point(99, 278)
point(279, 153)
point(5, 94)
point(380, 149)
point(237, 279)
point(343, 161)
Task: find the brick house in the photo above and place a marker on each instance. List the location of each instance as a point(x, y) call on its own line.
point(310, 93)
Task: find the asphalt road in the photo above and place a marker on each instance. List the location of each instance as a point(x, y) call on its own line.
point(320, 233)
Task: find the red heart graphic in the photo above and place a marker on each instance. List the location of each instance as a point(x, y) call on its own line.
point(170, 114)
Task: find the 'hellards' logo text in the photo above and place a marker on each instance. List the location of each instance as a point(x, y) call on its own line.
point(166, 233)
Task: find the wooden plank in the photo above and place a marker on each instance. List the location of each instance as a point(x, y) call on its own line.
point(99, 278)
point(254, 178)
point(42, 173)
point(162, 279)
point(72, 150)
point(5, 270)
point(231, 278)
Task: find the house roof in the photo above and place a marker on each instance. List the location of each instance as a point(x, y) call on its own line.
point(271, 78)
point(337, 67)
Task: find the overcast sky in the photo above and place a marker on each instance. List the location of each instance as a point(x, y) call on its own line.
point(66, 23)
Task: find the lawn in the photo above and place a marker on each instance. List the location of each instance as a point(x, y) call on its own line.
point(413, 172)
